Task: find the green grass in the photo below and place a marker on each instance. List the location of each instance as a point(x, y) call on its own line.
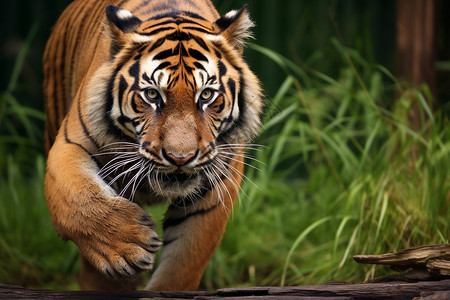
point(31, 253)
point(345, 174)
point(342, 172)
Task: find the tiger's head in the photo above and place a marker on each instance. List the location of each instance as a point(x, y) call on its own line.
point(179, 92)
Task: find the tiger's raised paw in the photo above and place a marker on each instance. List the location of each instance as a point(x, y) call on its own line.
point(124, 243)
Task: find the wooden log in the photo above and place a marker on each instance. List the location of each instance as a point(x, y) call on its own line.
point(435, 296)
point(430, 262)
point(16, 292)
point(441, 266)
point(352, 291)
point(397, 290)
point(419, 257)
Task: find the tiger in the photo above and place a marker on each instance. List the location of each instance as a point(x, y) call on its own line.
point(146, 102)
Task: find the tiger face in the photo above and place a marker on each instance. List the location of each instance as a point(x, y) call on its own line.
point(181, 98)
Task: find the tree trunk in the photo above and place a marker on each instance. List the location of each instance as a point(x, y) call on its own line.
point(416, 47)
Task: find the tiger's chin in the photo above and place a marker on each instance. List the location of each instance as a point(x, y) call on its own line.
point(173, 185)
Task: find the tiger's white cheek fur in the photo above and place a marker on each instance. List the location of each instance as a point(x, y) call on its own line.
point(95, 105)
point(158, 78)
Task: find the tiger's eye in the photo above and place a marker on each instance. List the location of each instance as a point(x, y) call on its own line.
point(206, 94)
point(151, 94)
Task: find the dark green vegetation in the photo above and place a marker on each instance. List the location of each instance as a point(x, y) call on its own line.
point(341, 171)
point(344, 174)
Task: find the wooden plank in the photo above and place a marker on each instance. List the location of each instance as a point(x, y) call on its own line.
point(15, 292)
point(396, 290)
point(358, 291)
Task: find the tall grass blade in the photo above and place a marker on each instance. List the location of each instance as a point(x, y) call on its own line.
point(21, 58)
point(299, 239)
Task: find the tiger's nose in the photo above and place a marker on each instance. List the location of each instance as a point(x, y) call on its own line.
point(178, 160)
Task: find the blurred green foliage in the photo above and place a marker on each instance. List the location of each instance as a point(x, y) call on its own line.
point(302, 30)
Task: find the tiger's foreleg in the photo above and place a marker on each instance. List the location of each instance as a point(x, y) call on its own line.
point(113, 234)
point(193, 233)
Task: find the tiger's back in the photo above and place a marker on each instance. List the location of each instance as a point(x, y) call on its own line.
point(146, 100)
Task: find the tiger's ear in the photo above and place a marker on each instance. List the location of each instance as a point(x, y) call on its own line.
point(122, 19)
point(235, 26)
point(121, 27)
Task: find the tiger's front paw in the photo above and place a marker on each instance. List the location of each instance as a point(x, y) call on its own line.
point(123, 243)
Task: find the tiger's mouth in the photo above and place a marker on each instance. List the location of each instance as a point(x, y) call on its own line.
point(178, 177)
point(176, 184)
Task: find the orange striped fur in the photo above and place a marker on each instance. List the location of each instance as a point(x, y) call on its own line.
point(146, 101)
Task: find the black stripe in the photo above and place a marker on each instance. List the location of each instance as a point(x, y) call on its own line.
point(136, 122)
point(83, 125)
point(167, 242)
point(156, 44)
point(64, 92)
point(212, 79)
point(174, 81)
point(171, 222)
point(159, 67)
point(221, 107)
point(215, 127)
point(183, 49)
point(194, 85)
point(211, 131)
point(176, 50)
point(134, 71)
point(220, 50)
point(158, 24)
point(56, 100)
point(199, 66)
point(141, 47)
point(206, 154)
point(123, 85)
point(153, 32)
point(200, 30)
point(186, 80)
point(164, 54)
point(218, 54)
point(197, 55)
point(175, 13)
point(123, 120)
point(201, 42)
point(178, 36)
point(222, 69)
point(69, 141)
point(240, 120)
point(232, 86)
point(112, 128)
point(203, 77)
point(176, 21)
point(145, 77)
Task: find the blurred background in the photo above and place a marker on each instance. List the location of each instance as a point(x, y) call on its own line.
point(355, 155)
